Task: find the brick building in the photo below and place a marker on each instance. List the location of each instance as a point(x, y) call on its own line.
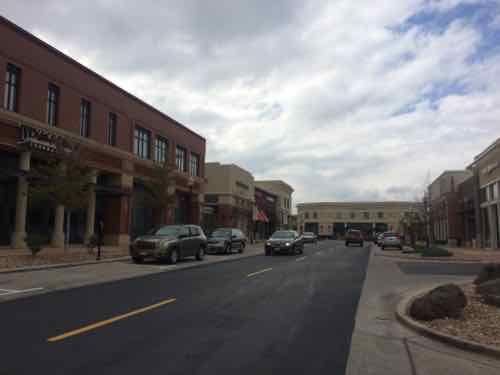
point(48, 96)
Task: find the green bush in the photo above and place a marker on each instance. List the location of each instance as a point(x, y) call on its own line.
point(489, 272)
point(436, 252)
point(35, 242)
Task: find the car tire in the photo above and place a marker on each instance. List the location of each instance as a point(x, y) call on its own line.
point(200, 254)
point(383, 247)
point(242, 248)
point(173, 256)
point(301, 250)
point(362, 244)
point(347, 244)
point(137, 260)
point(228, 249)
point(401, 248)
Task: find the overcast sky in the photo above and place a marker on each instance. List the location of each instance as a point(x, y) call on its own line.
point(344, 100)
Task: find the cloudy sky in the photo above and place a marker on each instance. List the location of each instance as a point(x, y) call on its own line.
point(344, 100)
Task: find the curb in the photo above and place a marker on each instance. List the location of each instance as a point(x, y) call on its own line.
point(432, 259)
point(403, 317)
point(62, 265)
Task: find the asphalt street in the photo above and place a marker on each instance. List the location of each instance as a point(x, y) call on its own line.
point(259, 315)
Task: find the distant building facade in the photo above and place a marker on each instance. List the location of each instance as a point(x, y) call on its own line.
point(333, 219)
point(266, 213)
point(283, 192)
point(444, 203)
point(229, 198)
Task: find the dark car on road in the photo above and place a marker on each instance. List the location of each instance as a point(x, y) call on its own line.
point(309, 237)
point(354, 236)
point(284, 241)
point(225, 240)
point(170, 242)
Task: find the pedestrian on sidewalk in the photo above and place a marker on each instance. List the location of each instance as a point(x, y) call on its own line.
point(100, 235)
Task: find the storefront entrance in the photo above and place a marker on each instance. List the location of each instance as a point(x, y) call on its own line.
point(7, 211)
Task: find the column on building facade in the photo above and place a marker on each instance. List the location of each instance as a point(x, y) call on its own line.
point(19, 234)
point(118, 213)
point(90, 214)
point(57, 239)
point(493, 222)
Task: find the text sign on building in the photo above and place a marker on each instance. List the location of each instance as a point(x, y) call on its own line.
point(42, 139)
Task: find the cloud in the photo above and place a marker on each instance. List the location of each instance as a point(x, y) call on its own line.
point(344, 100)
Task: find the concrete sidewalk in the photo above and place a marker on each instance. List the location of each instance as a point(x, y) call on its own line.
point(381, 345)
point(42, 281)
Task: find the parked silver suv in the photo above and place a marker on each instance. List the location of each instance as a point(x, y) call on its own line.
point(170, 242)
point(391, 239)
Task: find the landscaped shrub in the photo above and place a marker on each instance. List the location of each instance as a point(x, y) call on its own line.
point(489, 272)
point(436, 252)
point(446, 301)
point(35, 242)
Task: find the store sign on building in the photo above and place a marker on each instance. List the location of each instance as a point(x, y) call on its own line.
point(43, 140)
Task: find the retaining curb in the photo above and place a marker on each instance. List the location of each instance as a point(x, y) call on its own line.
point(403, 317)
point(62, 265)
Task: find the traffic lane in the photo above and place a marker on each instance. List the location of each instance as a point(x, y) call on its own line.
point(28, 322)
point(255, 327)
point(283, 321)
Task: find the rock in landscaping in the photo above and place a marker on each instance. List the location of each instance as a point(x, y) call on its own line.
point(489, 272)
point(490, 292)
point(446, 301)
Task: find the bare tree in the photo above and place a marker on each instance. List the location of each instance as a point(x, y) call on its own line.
point(161, 188)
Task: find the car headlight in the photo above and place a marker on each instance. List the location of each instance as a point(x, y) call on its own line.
point(287, 244)
point(268, 243)
point(164, 244)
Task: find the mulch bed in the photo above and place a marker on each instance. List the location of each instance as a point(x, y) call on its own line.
point(480, 322)
point(16, 261)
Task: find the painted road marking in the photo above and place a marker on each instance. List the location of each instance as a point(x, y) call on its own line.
point(259, 272)
point(299, 259)
point(7, 292)
point(108, 321)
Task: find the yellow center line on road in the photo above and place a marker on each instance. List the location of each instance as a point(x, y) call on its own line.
point(299, 259)
point(258, 272)
point(108, 321)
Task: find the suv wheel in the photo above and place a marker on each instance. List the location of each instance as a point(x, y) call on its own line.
point(242, 247)
point(137, 260)
point(347, 244)
point(200, 254)
point(173, 257)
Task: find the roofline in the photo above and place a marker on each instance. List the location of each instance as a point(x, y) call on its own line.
point(483, 153)
point(278, 181)
point(71, 60)
point(360, 203)
point(265, 191)
point(449, 171)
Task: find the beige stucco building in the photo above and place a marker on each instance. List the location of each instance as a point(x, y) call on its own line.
point(229, 197)
point(284, 193)
point(335, 218)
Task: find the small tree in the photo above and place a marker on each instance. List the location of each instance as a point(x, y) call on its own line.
point(63, 180)
point(161, 187)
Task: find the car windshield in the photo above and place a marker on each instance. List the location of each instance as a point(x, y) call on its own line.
point(282, 234)
point(170, 230)
point(221, 233)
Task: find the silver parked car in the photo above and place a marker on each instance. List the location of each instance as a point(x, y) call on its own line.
point(391, 239)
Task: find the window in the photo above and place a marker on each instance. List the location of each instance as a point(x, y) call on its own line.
point(84, 118)
point(180, 159)
point(11, 95)
point(366, 215)
point(339, 215)
point(161, 150)
point(193, 164)
point(315, 215)
point(141, 142)
point(194, 231)
point(307, 215)
point(112, 120)
point(52, 104)
point(353, 215)
point(380, 215)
